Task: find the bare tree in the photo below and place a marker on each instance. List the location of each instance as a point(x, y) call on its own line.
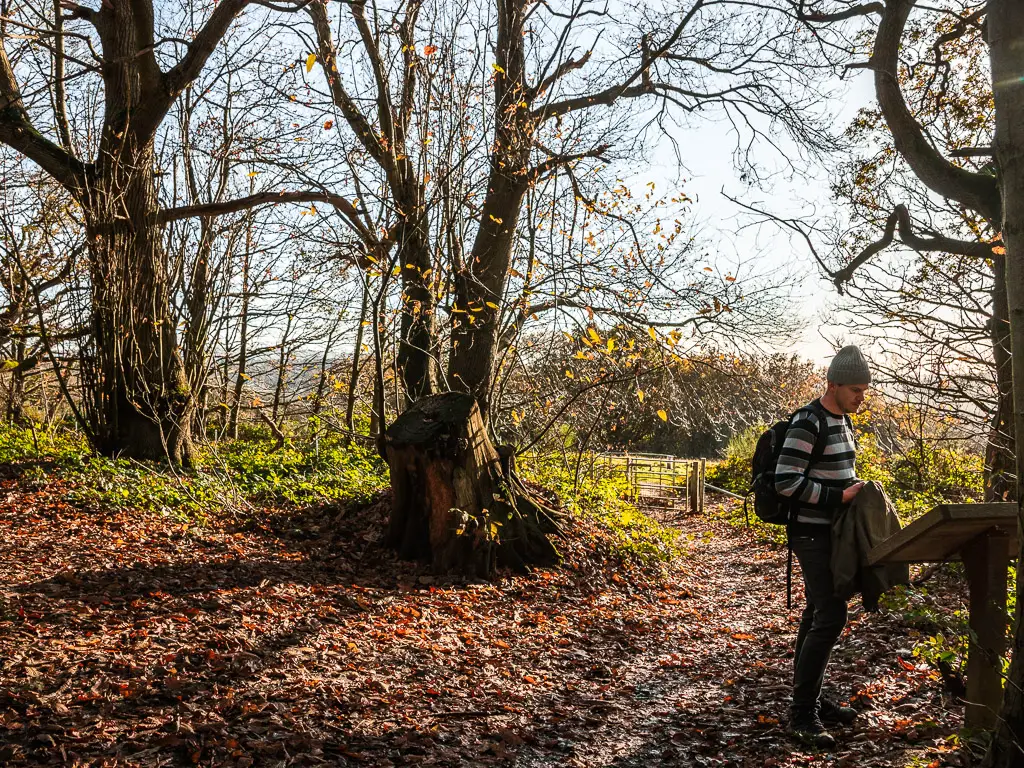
point(142, 404)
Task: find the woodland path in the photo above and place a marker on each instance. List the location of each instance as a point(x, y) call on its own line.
point(133, 640)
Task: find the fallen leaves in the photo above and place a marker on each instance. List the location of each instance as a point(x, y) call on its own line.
point(129, 639)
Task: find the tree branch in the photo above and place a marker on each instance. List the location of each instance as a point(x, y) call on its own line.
point(385, 111)
point(353, 116)
point(626, 89)
point(340, 204)
point(555, 161)
point(17, 131)
point(191, 64)
point(563, 69)
point(899, 220)
point(974, 190)
point(867, 9)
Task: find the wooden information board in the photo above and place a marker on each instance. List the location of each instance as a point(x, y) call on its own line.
point(984, 537)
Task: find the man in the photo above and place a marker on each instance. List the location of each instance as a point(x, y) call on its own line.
point(817, 489)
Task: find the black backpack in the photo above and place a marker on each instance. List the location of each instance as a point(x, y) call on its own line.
point(769, 506)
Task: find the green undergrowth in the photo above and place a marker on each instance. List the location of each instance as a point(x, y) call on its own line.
point(915, 479)
point(605, 500)
point(249, 473)
point(732, 513)
point(232, 476)
point(940, 634)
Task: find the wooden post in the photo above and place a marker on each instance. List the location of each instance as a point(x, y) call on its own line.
point(986, 559)
point(701, 480)
point(693, 486)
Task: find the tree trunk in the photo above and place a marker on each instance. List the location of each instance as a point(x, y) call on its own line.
point(417, 347)
point(141, 401)
point(479, 289)
point(195, 337)
point(480, 285)
point(454, 504)
point(353, 381)
point(282, 370)
point(1005, 25)
point(243, 337)
point(321, 384)
point(1000, 482)
point(16, 394)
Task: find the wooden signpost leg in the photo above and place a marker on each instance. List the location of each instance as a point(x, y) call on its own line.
point(986, 559)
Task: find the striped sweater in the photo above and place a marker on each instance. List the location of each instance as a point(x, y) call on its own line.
point(817, 489)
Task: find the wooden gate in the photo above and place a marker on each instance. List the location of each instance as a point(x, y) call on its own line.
point(660, 480)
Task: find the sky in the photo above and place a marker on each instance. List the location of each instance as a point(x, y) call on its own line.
point(709, 172)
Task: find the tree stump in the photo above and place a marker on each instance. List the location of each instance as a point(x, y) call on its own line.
point(454, 504)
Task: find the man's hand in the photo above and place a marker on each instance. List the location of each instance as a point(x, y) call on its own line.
point(851, 491)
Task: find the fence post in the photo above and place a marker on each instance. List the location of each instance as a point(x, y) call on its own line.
point(701, 481)
point(692, 486)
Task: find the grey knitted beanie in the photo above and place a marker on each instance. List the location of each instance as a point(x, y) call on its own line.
point(849, 367)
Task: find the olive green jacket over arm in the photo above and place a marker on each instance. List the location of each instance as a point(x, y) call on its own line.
point(857, 529)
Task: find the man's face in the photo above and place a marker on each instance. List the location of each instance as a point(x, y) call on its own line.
point(849, 397)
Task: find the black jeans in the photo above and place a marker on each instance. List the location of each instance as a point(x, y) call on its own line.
point(822, 621)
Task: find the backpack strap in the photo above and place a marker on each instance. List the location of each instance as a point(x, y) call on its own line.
point(822, 440)
point(789, 573)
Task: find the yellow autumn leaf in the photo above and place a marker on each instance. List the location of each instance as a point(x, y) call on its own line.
point(611, 345)
point(594, 335)
point(310, 61)
point(653, 334)
point(497, 68)
point(253, 173)
point(662, 415)
point(491, 304)
point(640, 395)
point(568, 375)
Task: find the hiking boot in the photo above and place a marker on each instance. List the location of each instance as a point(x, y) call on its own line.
point(830, 712)
point(806, 726)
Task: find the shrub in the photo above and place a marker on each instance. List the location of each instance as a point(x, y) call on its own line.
point(733, 472)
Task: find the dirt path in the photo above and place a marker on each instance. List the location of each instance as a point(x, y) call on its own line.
point(131, 640)
point(715, 691)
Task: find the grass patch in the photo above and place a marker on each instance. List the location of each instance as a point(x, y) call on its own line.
point(605, 500)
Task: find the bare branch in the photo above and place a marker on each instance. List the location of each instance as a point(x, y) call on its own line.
point(191, 64)
point(59, 96)
point(17, 131)
point(385, 112)
point(973, 152)
point(815, 17)
point(626, 89)
point(563, 69)
point(899, 220)
point(340, 204)
point(351, 112)
point(974, 190)
point(556, 161)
